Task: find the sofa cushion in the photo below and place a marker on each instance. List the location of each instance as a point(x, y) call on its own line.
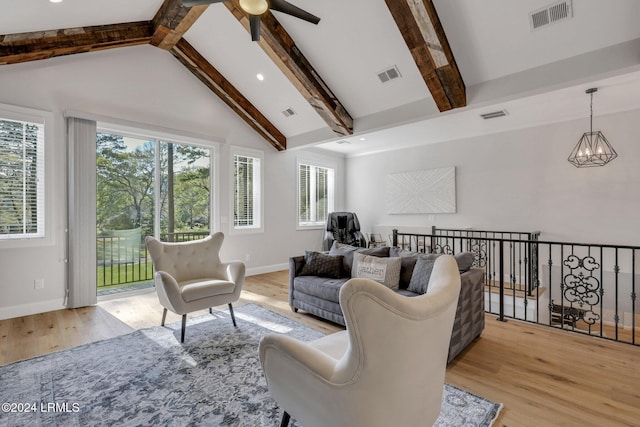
point(321, 287)
point(319, 264)
point(382, 270)
point(421, 274)
point(347, 252)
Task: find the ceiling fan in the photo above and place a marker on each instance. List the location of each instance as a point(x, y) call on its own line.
point(255, 9)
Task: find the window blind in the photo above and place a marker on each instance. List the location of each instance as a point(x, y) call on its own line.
point(246, 192)
point(315, 194)
point(304, 182)
point(21, 179)
point(322, 193)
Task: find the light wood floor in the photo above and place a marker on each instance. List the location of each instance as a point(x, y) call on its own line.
point(543, 377)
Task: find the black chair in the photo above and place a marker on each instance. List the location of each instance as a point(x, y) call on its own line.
point(343, 227)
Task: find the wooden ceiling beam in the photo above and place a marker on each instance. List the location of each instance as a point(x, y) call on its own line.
point(203, 70)
point(33, 46)
point(282, 50)
point(420, 26)
point(170, 24)
point(172, 21)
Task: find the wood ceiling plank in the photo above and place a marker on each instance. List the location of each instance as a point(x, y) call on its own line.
point(201, 68)
point(282, 50)
point(172, 21)
point(33, 46)
point(422, 30)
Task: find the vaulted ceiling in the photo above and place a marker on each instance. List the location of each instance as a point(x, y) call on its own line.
point(455, 58)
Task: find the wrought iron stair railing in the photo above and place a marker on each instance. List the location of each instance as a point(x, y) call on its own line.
point(581, 287)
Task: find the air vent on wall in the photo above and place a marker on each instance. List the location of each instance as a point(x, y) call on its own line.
point(494, 114)
point(288, 112)
point(555, 12)
point(389, 74)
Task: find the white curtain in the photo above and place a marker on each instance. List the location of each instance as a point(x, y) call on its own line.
point(81, 240)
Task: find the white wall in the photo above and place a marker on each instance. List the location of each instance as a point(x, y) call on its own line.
point(518, 181)
point(144, 85)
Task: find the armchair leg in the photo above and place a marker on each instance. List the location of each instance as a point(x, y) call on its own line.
point(184, 325)
point(285, 419)
point(164, 317)
point(233, 318)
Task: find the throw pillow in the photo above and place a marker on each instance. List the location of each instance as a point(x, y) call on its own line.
point(421, 274)
point(408, 259)
point(323, 265)
point(464, 260)
point(347, 252)
point(382, 270)
point(424, 266)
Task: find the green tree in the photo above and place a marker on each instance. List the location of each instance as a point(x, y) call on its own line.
point(125, 184)
point(192, 198)
point(178, 193)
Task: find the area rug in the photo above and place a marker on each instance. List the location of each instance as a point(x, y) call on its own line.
point(148, 378)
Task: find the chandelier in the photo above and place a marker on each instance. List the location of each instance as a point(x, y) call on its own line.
point(593, 149)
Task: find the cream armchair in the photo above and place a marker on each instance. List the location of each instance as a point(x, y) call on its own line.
point(386, 369)
point(189, 276)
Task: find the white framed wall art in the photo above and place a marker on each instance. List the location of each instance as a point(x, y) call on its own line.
point(425, 191)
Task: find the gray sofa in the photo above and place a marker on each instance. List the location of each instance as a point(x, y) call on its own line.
point(319, 294)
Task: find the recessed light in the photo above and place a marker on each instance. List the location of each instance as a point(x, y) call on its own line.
point(55, 1)
point(259, 77)
point(363, 139)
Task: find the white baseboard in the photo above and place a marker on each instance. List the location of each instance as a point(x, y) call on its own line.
point(31, 308)
point(266, 269)
point(58, 304)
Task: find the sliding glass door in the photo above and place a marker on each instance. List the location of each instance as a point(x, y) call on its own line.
point(144, 187)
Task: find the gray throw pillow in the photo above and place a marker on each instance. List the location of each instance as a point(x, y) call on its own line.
point(424, 266)
point(464, 260)
point(421, 274)
point(409, 259)
point(408, 263)
point(323, 265)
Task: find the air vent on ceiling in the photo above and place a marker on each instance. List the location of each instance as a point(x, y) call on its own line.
point(494, 114)
point(343, 141)
point(288, 112)
point(555, 12)
point(389, 74)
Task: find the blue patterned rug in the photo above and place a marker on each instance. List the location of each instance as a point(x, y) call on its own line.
point(148, 378)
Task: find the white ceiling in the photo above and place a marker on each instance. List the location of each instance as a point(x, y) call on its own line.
point(538, 76)
point(35, 15)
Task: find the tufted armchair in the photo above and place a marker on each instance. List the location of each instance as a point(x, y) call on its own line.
point(343, 227)
point(189, 276)
point(386, 369)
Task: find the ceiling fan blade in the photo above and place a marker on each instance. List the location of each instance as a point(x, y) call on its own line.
point(191, 3)
point(286, 7)
point(254, 23)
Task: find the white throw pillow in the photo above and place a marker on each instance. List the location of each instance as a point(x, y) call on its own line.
point(383, 270)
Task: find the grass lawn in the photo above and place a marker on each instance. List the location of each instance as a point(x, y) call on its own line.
point(119, 274)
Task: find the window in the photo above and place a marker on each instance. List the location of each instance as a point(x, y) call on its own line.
point(247, 190)
point(147, 184)
point(315, 194)
point(21, 179)
point(153, 185)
